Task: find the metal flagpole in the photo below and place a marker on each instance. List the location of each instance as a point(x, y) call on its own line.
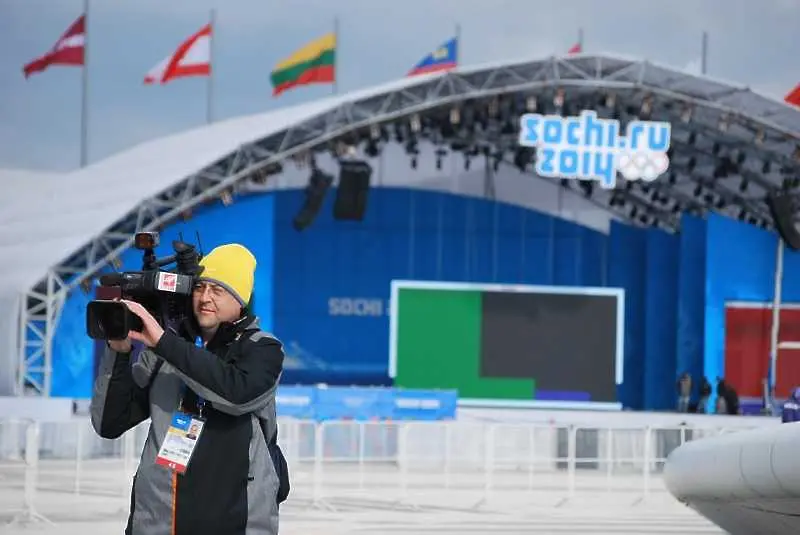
point(85, 88)
point(210, 81)
point(336, 55)
point(580, 38)
point(704, 54)
point(458, 45)
point(776, 321)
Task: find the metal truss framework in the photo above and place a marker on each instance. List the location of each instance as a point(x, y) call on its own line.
point(709, 120)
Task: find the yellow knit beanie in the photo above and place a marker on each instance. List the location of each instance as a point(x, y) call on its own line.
point(233, 267)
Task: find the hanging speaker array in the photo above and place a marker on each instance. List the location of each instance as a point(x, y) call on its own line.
point(781, 206)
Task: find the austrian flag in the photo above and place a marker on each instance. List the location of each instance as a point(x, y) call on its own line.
point(191, 58)
point(68, 50)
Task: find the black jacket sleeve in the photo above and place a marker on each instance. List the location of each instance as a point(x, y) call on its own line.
point(235, 386)
point(118, 403)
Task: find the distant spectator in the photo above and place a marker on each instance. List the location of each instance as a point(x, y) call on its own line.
point(791, 407)
point(684, 386)
point(704, 395)
point(727, 398)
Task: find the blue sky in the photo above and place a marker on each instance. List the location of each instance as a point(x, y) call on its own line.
point(750, 42)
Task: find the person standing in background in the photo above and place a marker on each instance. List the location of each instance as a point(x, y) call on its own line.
point(791, 407)
point(684, 392)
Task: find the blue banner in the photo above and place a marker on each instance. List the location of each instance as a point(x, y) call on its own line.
point(424, 404)
point(364, 404)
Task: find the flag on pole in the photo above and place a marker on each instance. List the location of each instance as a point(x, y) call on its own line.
point(191, 58)
point(577, 48)
point(315, 63)
point(443, 58)
point(68, 50)
point(794, 96)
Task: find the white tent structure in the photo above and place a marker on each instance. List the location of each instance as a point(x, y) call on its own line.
point(57, 231)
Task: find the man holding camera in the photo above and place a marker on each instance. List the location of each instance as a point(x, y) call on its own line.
point(210, 464)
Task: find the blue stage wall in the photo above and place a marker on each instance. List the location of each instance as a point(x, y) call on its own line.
point(249, 222)
point(691, 297)
point(627, 269)
point(332, 281)
point(661, 317)
point(647, 264)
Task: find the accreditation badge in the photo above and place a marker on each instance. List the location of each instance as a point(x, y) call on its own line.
point(179, 443)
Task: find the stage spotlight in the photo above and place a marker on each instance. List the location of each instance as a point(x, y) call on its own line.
point(497, 159)
point(441, 152)
point(686, 114)
point(372, 149)
point(724, 122)
point(522, 158)
point(455, 116)
point(493, 109)
point(415, 124)
point(559, 98)
point(646, 110)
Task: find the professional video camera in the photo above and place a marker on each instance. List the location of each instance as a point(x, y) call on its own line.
point(165, 294)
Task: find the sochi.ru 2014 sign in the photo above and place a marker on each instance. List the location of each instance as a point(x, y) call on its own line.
point(590, 148)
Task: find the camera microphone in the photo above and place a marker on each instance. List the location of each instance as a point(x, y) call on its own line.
point(126, 280)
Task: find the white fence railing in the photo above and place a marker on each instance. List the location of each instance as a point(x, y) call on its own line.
point(408, 464)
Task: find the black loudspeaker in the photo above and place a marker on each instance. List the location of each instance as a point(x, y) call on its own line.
point(318, 185)
point(353, 190)
point(781, 206)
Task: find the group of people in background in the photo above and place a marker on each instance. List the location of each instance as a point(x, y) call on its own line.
point(727, 397)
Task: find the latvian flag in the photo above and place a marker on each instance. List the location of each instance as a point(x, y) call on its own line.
point(68, 50)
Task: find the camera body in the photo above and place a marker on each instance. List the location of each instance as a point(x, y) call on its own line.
point(167, 295)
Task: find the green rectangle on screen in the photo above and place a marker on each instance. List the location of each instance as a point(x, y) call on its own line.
point(439, 345)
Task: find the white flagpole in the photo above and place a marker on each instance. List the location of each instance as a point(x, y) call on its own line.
point(704, 54)
point(85, 88)
point(458, 45)
point(336, 55)
point(211, 67)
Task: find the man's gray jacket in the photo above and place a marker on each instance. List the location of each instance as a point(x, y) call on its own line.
point(231, 483)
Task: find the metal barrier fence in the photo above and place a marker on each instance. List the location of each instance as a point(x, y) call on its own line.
point(406, 464)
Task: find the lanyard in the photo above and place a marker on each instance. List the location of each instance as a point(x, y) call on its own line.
point(201, 403)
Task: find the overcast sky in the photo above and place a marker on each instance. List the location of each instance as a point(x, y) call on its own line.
point(751, 42)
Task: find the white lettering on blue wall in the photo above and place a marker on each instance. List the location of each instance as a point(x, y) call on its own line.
point(357, 306)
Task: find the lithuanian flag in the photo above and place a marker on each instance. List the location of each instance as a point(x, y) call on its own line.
point(315, 63)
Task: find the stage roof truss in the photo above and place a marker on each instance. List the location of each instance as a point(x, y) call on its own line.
point(701, 109)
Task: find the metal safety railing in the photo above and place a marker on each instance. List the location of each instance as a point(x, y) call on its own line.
point(407, 464)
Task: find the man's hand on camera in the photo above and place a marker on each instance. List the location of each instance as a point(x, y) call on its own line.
point(151, 330)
